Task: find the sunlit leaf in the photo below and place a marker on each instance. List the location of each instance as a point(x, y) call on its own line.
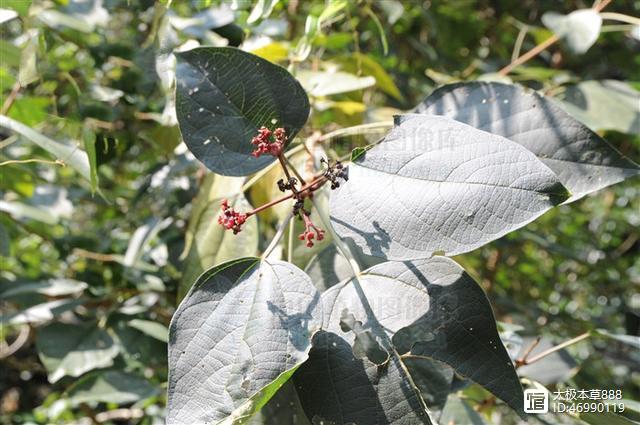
point(240, 333)
point(441, 187)
point(581, 159)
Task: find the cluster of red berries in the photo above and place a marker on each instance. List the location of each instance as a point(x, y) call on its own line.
point(310, 231)
point(267, 141)
point(230, 218)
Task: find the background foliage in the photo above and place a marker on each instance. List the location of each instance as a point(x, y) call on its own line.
point(106, 218)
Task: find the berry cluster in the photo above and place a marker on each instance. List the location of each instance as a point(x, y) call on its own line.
point(310, 230)
point(291, 183)
point(270, 142)
point(335, 172)
point(230, 218)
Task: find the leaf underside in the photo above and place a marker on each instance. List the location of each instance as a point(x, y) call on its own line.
point(442, 187)
point(582, 160)
point(242, 330)
point(391, 300)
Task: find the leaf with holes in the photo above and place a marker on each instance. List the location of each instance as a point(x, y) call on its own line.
point(224, 95)
point(243, 329)
point(582, 160)
point(441, 187)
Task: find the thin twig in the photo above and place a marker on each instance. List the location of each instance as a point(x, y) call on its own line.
point(558, 347)
point(95, 255)
point(27, 161)
point(10, 99)
point(523, 359)
point(276, 238)
point(8, 350)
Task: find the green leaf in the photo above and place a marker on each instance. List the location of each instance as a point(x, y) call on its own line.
point(153, 329)
point(631, 340)
point(579, 29)
point(224, 95)
point(458, 412)
point(40, 313)
point(441, 187)
point(10, 54)
point(207, 242)
point(49, 287)
point(457, 328)
point(261, 10)
point(604, 105)
point(70, 155)
point(327, 83)
point(110, 387)
point(71, 350)
point(243, 329)
point(338, 384)
point(369, 66)
point(432, 378)
point(605, 418)
point(582, 160)
point(28, 71)
point(89, 139)
point(30, 110)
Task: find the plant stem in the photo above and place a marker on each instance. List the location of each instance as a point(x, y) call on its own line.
point(543, 46)
point(277, 236)
point(310, 187)
point(553, 349)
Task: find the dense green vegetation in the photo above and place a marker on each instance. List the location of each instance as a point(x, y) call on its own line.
point(107, 219)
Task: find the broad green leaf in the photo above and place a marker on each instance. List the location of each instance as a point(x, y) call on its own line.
point(605, 418)
point(369, 66)
point(5, 244)
point(604, 105)
point(153, 329)
point(71, 155)
point(582, 160)
point(71, 350)
point(139, 350)
point(10, 55)
point(453, 323)
point(49, 287)
point(579, 29)
point(327, 83)
point(432, 378)
point(243, 329)
point(207, 242)
point(89, 139)
point(30, 110)
point(28, 72)
point(339, 385)
point(441, 186)
point(40, 313)
point(112, 386)
point(224, 95)
point(283, 409)
point(459, 412)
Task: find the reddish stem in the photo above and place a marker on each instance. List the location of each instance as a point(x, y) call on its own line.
point(303, 192)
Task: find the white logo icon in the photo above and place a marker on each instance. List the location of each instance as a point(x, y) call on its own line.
point(536, 401)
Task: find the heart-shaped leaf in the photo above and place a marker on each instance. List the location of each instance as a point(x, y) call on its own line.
point(240, 333)
point(224, 95)
point(441, 186)
point(393, 302)
point(582, 160)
